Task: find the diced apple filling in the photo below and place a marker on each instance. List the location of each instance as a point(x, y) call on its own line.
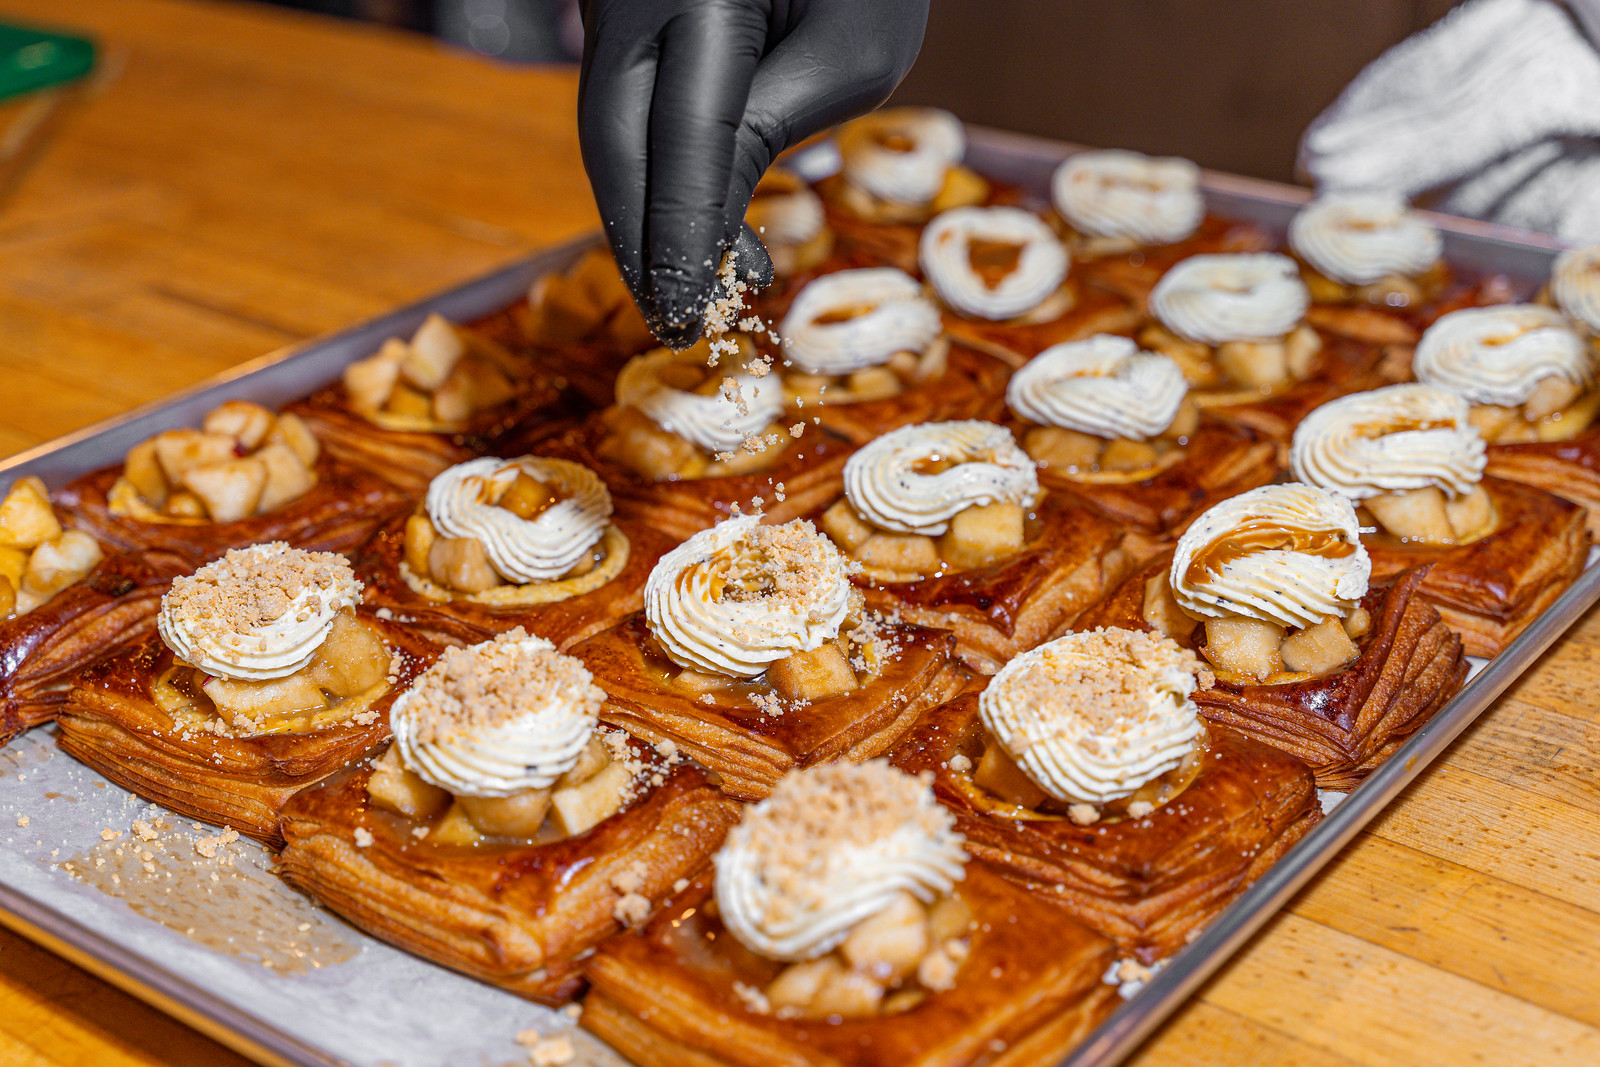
point(889, 962)
point(980, 536)
point(816, 675)
point(589, 303)
point(1262, 365)
point(1427, 516)
point(37, 558)
point(901, 371)
point(352, 662)
point(1069, 451)
point(1260, 650)
point(462, 563)
point(444, 373)
point(1558, 410)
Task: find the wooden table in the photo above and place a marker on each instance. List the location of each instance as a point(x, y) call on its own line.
point(243, 178)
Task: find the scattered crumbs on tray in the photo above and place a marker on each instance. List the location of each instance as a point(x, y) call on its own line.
point(1130, 976)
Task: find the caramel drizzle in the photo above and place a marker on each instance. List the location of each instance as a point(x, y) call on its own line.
point(834, 316)
point(893, 140)
point(1262, 535)
point(992, 261)
point(1400, 424)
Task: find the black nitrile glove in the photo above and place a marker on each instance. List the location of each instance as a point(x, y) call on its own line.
point(682, 106)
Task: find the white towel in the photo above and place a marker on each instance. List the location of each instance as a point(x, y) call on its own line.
point(1495, 110)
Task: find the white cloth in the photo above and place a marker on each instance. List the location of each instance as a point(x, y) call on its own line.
point(1495, 109)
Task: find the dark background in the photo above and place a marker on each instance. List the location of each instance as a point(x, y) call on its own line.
point(1228, 83)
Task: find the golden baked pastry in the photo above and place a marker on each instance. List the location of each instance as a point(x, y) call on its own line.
point(200, 739)
point(500, 834)
point(1132, 274)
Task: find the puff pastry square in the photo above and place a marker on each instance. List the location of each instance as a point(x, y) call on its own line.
point(1133, 274)
point(972, 387)
point(1342, 366)
point(1093, 310)
point(1569, 469)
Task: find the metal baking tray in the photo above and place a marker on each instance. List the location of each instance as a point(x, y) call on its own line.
point(229, 949)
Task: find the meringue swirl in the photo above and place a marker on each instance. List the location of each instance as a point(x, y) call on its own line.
point(1104, 385)
point(1214, 299)
point(1091, 717)
point(901, 154)
point(833, 845)
point(738, 597)
point(497, 718)
point(257, 613)
point(1358, 238)
point(1113, 193)
point(1499, 355)
point(1286, 554)
point(1575, 285)
point(946, 256)
point(891, 314)
point(461, 503)
point(1389, 440)
point(716, 423)
point(985, 466)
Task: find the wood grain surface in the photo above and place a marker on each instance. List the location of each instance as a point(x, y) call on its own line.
point(239, 178)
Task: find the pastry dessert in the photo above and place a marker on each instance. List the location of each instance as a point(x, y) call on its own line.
point(1575, 287)
point(952, 530)
point(1236, 325)
point(1001, 274)
point(1114, 426)
point(844, 926)
point(502, 833)
point(1271, 587)
point(245, 476)
point(499, 544)
point(788, 217)
point(416, 407)
point(1084, 769)
point(754, 655)
point(1367, 260)
point(688, 442)
point(864, 352)
point(263, 681)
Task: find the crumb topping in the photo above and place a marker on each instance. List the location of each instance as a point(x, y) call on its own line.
point(495, 684)
point(254, 587)
point(1107, 680)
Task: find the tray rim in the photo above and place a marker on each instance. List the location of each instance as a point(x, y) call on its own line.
point(266, 1042)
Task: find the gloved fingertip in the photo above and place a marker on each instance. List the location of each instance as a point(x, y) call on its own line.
point(754, 264)
point(680, 307)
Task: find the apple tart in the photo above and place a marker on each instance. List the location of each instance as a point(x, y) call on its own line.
point(415, 407)
point(503, 833)
point(755, 655)
point(1114, 426)
point(1272, 588)
point(245, 476)
point(499, 544)
point(864, 352)
point(263, 681)
point(1085, 769)
point(951, 529)
point(1411, 458)
point(844, 926)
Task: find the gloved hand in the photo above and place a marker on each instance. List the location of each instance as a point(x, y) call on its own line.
point(683, 104)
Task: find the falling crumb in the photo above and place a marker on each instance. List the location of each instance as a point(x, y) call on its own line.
point(960, 764)
point(796, 430)
point(22, 820)
point(363, 837)
point(385, 614)
point(1083, 814)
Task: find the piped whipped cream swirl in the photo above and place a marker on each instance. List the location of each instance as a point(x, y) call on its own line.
point(257, 613)
point(494, 719)
point(1091, 717)
point(916, 479)
point(1499, 355)
point(738, 597)
point(1390, 440)
point(832, 846)
point(1104, 385)
point(1286, 554)
point(1575, 285)
point(785, 210)
point(901, 154)
point(854, 319)
point(1214, 299)
point(1113, 193)
point(717, 423)
point(946, 254)
point(1358, 238)
point(461, 499)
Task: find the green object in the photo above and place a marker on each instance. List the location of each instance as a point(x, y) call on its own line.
point(36, 59)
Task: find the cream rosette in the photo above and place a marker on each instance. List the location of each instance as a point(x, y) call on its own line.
point(1214, 299)
point(1112, 193)
point(1575, 285)
point(888, 313)
point(832, 846)
point(540, 549)
point(1104, 386)
point(716, 423)
point(985, 466)
point(1358, 238)
point(946, 256)
point(1284, 554)
point(1091, 717)
point(1390, 440)
point(257, 613)
point(901, 154)
point(738, 597)
point(1499, 355)
point(497, 718)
